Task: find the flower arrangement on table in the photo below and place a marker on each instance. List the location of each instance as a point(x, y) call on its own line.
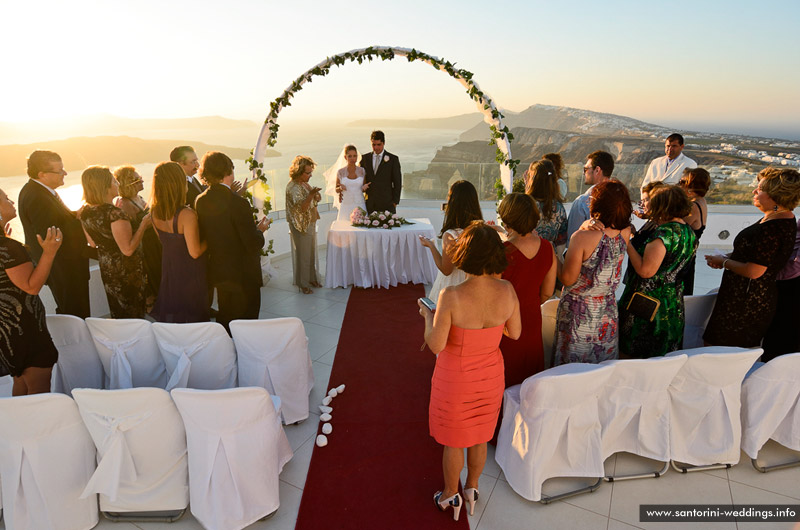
point(387, 219)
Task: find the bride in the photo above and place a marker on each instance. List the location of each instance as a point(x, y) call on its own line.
point(345, 182)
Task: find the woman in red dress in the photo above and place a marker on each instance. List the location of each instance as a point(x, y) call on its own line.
point(467, 384)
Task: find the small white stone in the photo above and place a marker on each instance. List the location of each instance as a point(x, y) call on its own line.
point(322, 440)
point(327, 428)
point(332, 393)
point(325, 417)
point(324, 408)
point(327, 400)
point(340, 389)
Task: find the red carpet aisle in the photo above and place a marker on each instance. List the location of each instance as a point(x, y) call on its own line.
point(380, 468)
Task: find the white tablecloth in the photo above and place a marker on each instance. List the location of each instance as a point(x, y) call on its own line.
point(376, 257)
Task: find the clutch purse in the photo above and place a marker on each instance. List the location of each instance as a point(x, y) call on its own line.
point(643, 306)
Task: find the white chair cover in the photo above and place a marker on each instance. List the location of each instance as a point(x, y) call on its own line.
point(199, 355)
point(549, 312)
point(237, 449)
point(6, 386)
point(46, 457)
point(78, 364)
point(705, 402)
point(551, 427)
point(698, 310)
point(273, 354)
point(129, 353)
point(771, 405)
point(634, 407)
point(141, 449)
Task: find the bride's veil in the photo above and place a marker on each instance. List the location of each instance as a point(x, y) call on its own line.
point(330, 175)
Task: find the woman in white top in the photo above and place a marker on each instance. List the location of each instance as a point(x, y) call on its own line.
point(348, 187)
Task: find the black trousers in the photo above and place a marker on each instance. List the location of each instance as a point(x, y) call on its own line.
point(69, 283)
point(783, 335)
point(237, 301)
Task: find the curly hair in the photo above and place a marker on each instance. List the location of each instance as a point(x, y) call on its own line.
point(299, 165)
point(696, 180)
point(215, 167)
point(127, 179)
point(782, 185)
point(479, 250)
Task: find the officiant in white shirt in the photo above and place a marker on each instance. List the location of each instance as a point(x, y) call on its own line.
point(669, 168)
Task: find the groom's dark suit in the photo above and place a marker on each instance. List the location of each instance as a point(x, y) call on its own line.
point(69, 277)
point(385, 185)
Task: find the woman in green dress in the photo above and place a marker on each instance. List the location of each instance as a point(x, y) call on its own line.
point(657, 262)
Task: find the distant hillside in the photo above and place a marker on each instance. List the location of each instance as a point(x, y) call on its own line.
point(462, 121)
point(78, 153)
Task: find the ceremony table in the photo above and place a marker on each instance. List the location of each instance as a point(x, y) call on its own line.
point(377, 257)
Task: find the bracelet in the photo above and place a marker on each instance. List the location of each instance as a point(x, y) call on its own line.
point(726, 260)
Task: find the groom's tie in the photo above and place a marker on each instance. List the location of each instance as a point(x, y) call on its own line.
point(375, 162)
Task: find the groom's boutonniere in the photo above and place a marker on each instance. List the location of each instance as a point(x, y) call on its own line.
point(385, 158)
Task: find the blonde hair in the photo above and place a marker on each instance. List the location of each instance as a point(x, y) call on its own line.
point(782, 185)
point(169, 190)
point(299, 165)
point(96, 181)
point(127, 178)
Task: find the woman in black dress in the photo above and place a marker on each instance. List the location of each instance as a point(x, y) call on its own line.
point(747, 296)
point(26, 349)
point(696, 183)
point(118, 247)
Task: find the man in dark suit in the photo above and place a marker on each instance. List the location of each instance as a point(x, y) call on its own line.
point(234, 241)
point(40, 207)
point(185, 156)
point(383, 176)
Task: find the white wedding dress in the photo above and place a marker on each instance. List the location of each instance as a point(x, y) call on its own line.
point(352, 196)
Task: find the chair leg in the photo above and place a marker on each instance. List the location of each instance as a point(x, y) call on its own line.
point(765, 469)
point(547, 499)
point(686, 468)
point(650, 474)
point(169, 516)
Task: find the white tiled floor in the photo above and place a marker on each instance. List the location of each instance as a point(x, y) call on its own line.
point(614, 506)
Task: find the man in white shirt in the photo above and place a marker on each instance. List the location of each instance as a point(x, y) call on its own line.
point(669, 168)
point(598, 168)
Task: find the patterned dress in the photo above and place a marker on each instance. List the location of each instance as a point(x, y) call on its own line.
point(554, 228)
point(639, 338)
point(586, 322)
point(123, 276)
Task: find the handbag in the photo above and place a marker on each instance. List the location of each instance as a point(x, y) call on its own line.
point(643, 306)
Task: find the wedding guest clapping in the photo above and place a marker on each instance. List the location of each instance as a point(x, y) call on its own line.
point(302, 214)
point(118, 246)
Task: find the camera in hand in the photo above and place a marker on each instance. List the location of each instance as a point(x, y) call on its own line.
point(427, 302)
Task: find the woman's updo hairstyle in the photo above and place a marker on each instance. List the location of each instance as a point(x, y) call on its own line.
point(479, 250)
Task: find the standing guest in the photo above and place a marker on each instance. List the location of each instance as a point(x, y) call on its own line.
point(587, 318)
point(185, 157)
point(183, 296)
point(532, 271)
point(302, 214)
point(383, 176)
point(696, 183)
point(40, 208)
point(118, 247)
point(598, 168)
point(234, 241)
point(129, 201)
point(748, 295)
point(783, 335)
point(639, 237)
point(542, 184)
point(644, 329)
point(462, 208)
point(669, 168)
point(558, 163)
point(467, 384)
point(26, 349)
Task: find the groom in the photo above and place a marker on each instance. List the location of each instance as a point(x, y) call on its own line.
point(383, 175)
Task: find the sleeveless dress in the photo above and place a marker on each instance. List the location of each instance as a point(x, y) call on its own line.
point(151, 247)
point(688, 279)
point(352, 196)
point(446, 280)
point(467, 387)
point(524, 357)
point(586, 321)
point(183, 296)
point(553, 228)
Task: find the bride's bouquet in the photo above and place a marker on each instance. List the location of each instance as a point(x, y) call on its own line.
point(387, 219)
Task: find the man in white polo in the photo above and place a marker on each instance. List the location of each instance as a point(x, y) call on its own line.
point(669, 168)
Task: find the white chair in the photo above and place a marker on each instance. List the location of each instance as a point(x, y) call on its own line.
point(199, 355)
point(551, 428)
point(705, 401)
point(273, 354)
point(549, 312)
point(141, 453)
point(46, 458)
point(129, 353)
point(78, 364)
point(237, 449)
point(698, 310)
point(6, 386)
point(634, 410)
point(771, 408)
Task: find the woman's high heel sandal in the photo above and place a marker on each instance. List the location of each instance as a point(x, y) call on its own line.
point(471, 498)
point(454, 501)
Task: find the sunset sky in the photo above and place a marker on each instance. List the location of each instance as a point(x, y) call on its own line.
point(728, 65)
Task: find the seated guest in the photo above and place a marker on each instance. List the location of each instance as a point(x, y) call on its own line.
point(183, 296)
point(129, 201)
point(467, 384)
point(234, 241)
point(302, 214)
point(651, 316)
point(542, 184)
point(558, 163)
point(586, 322)
point(532, 271)
point(26, 349)
point(598, 167)
point(462, 208)
point(748, 295)
point(696, 183)
point(118, 246)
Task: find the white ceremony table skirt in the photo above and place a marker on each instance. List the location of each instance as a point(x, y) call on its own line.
point(376, 257)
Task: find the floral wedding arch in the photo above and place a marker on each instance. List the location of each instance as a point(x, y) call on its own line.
point(492, 116)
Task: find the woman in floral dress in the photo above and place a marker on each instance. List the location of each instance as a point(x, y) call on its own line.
point(541, 183)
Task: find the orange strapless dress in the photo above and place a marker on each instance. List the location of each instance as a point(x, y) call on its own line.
point(467, 387)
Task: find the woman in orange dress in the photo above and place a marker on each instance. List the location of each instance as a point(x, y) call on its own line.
point(467, 384)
